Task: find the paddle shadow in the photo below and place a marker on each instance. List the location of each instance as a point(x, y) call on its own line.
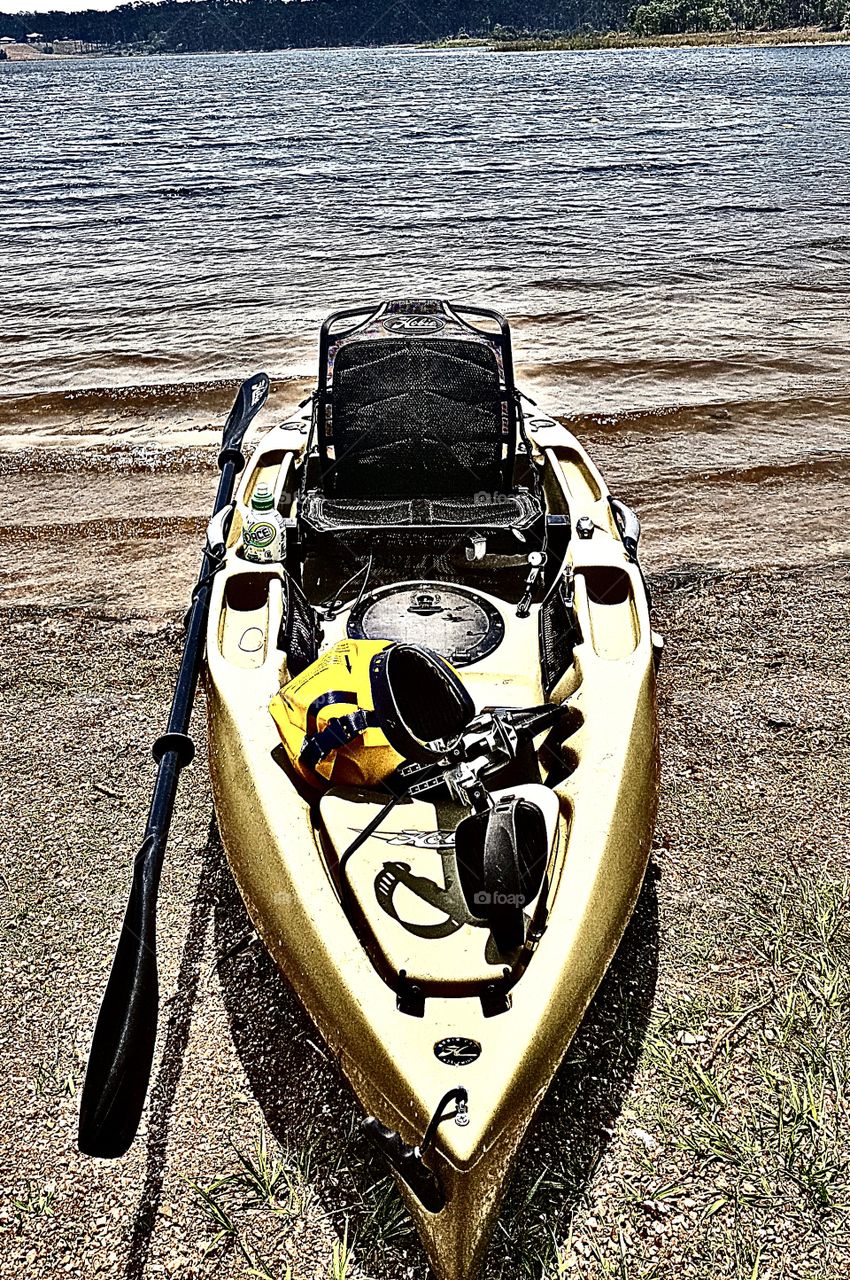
point(179, 1010)
point(307, 1105)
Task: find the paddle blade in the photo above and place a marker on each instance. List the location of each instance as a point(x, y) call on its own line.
point(250, 398)
point(122, 1047)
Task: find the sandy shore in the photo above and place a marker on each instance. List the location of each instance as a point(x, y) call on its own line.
point(22, 53)
point(699, 1126)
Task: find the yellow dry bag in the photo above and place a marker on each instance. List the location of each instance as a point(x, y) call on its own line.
point(359, 710)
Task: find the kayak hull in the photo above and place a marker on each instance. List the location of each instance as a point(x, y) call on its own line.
point(607, 796)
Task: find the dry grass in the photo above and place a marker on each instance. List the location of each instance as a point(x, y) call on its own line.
point(744, 1092)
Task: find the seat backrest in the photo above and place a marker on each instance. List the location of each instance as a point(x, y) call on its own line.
point(413, 417)
point(415, 403)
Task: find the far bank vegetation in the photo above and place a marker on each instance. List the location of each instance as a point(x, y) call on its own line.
point(171, 26)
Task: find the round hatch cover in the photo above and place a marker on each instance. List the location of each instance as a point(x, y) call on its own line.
point(460, 625)
point(457, 1051)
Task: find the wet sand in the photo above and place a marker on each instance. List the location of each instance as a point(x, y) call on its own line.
point(753, 823)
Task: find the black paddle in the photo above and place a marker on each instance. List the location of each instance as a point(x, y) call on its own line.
point(122, 1048)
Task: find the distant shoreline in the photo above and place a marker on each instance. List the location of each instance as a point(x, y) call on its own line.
point(784, 38)
point(788, 37)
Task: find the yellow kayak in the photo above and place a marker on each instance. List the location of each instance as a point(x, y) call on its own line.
point(445, 913)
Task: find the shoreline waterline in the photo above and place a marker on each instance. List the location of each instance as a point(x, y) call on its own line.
point(613, 41)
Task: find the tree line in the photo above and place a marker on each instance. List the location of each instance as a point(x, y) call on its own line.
point(668, 17)
point(208, 25)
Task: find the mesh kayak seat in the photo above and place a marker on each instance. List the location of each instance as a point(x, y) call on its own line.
point(417, 431)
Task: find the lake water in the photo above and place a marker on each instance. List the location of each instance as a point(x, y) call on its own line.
point(668, 230)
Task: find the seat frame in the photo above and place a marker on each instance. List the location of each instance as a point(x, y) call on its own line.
point(364, 320)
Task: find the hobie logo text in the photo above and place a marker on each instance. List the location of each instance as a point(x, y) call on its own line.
point(414, 326)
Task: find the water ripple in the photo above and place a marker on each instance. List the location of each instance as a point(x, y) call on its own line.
point(669, 229)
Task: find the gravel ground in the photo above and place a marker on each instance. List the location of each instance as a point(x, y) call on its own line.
point(699, 1125)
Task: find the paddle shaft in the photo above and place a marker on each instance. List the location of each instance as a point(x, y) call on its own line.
point(172, 759)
